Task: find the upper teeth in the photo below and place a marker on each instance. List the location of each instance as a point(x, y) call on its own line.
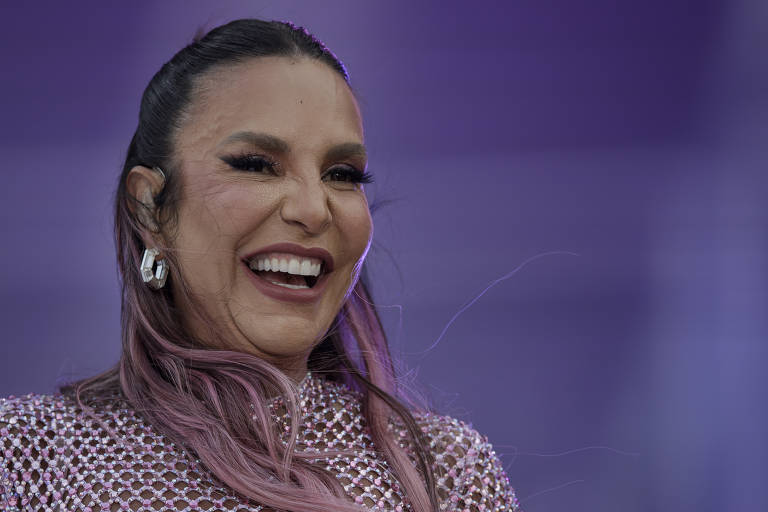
point(289, 263)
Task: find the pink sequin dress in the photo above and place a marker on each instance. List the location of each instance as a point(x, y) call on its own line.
point(55, 458)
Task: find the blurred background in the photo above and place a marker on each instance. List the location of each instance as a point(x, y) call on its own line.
point(603, 162)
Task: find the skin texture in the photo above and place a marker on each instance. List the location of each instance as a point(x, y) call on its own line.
point(226, 213)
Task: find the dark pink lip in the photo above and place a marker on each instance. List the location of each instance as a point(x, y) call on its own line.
point(312, 252)
point(281, 293)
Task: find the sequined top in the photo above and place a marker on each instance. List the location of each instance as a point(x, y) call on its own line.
point(56, 458)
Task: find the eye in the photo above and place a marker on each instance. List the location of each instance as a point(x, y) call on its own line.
point(348, 174)
point(251, 163)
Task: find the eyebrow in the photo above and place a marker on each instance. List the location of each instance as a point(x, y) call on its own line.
point(278, 145)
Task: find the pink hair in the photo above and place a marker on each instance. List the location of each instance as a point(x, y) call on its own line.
point(199, 397)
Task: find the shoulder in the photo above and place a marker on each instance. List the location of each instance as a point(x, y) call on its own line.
point(46, 420)
point(39, 434)
point(32, 416)
point(29, 405)
point(31, 429)
point(468, 470)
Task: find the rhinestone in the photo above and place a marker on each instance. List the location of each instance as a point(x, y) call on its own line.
point(141, 466)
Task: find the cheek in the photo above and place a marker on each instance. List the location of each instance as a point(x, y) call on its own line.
point(355, 225)
point(227, 209)
point(212, 219)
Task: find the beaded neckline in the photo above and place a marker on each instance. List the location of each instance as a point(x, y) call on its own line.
point(311, 389)
point(303, 383)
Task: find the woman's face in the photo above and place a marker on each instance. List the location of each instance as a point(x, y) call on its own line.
point(272, 153)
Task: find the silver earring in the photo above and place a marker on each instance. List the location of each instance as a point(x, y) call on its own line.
point(156, 278)
point(160, 171)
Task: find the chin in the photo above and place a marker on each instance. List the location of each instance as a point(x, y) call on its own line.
point(283, 337)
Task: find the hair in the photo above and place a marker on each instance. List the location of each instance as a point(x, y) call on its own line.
point(195, 394)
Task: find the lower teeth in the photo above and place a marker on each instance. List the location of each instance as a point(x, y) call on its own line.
point(291, 286)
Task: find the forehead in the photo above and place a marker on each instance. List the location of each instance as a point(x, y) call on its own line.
point(300, 100)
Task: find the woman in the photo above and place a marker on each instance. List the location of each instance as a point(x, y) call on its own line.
point(255, 373)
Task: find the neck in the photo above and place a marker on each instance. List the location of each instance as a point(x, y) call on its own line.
point(296, 372)
point(297, 376)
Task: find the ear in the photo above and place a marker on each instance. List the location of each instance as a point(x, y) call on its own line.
point(144, 184)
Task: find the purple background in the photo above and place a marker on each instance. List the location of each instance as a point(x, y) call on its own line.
point(627, 377)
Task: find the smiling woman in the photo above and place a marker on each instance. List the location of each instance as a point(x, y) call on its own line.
point(255, 373)
point(283, 169)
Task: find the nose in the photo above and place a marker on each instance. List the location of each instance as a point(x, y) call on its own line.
point(306, 204)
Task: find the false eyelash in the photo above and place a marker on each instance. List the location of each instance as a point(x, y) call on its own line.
point(357, 175)
point(245, 161)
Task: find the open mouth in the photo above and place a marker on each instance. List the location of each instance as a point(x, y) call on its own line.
point(300, 271)
point(287, 279)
